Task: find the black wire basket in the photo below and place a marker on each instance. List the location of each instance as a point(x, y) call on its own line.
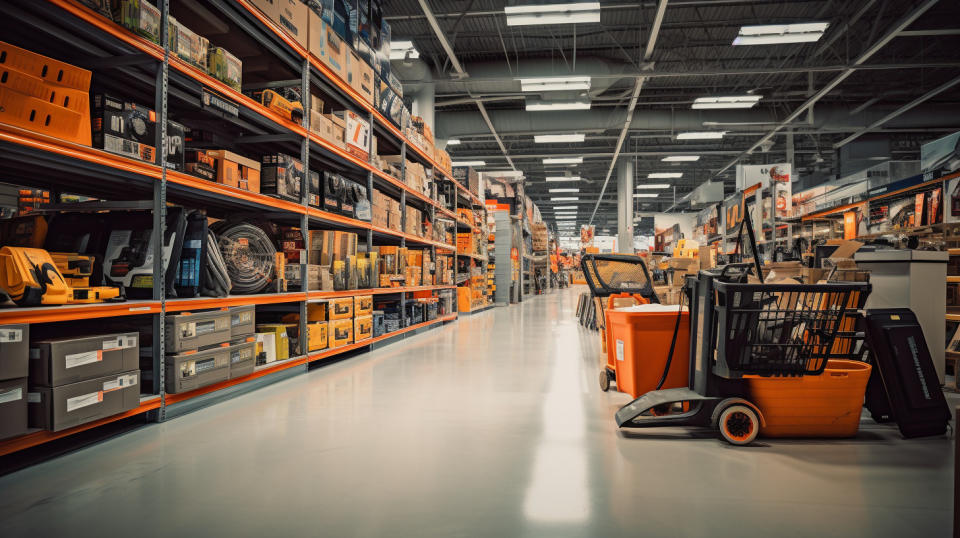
point(607, 274)
point(785, 329)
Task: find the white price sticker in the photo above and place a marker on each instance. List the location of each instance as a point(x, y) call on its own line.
point(619, 350)
point(86, 400)
point(80, 359)
point(35, 353)
point(11, 335)
point(11, 395)
point(34, 397)
point(112, 343)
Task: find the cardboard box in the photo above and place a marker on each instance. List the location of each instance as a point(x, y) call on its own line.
point(268, 7)
point(243, 321)
point(13, 407)
point(360, 76)
point(782, 270)
point(321, 125)
point(293, 17)
point(139, 16)
point(225, 67)
point(362, 327)
point(124, 128)
point(281, 176)
point(317, 312)
point(275, 342)
point(339, 131)
point(66, 406)
point(362, 305)
point(243, 357)
point(327, 46)
point(193, 330)
point(340, 308)
point(188, 45)
point(340, 332)
point(69, 360)
point(192, 370)
point(356, 132)
point(14, 351)
point(317, 335)
point(236, 170)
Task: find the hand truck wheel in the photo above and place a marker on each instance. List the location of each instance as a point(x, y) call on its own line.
point(739, 425)
point(604, 380)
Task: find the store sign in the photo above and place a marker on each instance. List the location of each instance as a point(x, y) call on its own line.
point(776, 177)
point(214, 102)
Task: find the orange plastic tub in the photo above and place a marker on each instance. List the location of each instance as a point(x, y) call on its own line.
point(826, 405)
point(640, 341)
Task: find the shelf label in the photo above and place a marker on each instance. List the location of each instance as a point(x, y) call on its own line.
point(619, 350)
point(214, 102)
point(138, 309)
point(34, 397)
point(11, 335)
point(85, 400)
point(80, 359)
point(11, 395)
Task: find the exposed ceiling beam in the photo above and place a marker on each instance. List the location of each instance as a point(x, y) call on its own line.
point(929, 95)
point(891, 33)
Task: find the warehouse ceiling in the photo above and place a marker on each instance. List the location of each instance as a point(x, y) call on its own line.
point(874, 58)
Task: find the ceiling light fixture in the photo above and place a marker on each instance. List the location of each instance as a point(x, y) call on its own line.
point(701, 135)
point(571, 13)
point(399, 50)
point(563, 160)
point(681, 158)
point(775, 34)
point(550, 139)
point(565, 218)
point(533, 105)
point(665, 175)
point(469, 163)
point(503, 173)
point(553, 84)
point(654, 186)
point(551, 179)
point(453, 142)
point(727, 101)
point(645, 195)
point(565, 199)
point(564, 190)
point(565, 207)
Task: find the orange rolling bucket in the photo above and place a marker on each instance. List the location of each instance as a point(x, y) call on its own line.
point(826, 405)
point(638, 344)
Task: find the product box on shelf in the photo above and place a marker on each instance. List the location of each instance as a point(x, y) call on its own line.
point(340, 308)
point(273, 342)
point(340, 332)
point(200, 164)
point(268, 7)
point(317, 335)
point(235, 170)
point(363, 327)
point(188, 45)
point(243, 356)
point(194, 369)
point(192, 330)
point(243, 320)
point(360, 27)
point(357, 133)
point(225, 67)
point(139, 16)
point(383, 53)
point(69, 360)
point(14, 351)
point(360, 76)
point(13, 407)
point(362, 304)
point(293, 17)
point(175, 146)
point(321, 125)
point(388, 102)
point(317, 311)
point(124, 128)
point(335, 13)
point(328, 46)
point(66, 406)
point(281, 176)
point(339, 130)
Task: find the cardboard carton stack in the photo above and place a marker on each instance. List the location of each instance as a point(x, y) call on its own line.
point(14, 369)
point(386, 211)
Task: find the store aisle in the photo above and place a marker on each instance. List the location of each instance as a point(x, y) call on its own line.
point(491, 426)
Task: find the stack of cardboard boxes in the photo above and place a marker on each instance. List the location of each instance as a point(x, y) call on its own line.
point(386, 211)
point(14, 369)
point(208, 347)
point(413, 224)
point(75, 380)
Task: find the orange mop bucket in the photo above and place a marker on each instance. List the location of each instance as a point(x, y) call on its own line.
point(638, 342)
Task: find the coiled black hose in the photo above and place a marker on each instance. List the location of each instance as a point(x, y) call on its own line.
point(250, 256)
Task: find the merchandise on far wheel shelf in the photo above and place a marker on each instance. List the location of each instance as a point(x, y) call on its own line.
point(139, 16)
point(124, 128)
point(225, 67)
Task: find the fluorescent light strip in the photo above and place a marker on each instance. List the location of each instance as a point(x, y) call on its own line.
point(565, 218)
point(402, 44)
point(549, 84)
point(564, 190)
point(550, 139)
point(645, 195)
point(654, 186)
point(701, 135)
point(665, 175)
point(681, 158)
point(726, 101)
point(565, 207)
point(565, 199)
point(542, 106)
point(453, 142)
point(775, 34)
point(563, 160)
point(579, 12)
point(552, 179)
point(468, 163)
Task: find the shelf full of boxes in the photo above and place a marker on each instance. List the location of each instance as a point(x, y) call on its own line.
point(284, 220)
point(473, 294)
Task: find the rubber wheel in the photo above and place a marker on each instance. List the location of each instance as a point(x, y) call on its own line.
point(739, 425)
point(604, 380)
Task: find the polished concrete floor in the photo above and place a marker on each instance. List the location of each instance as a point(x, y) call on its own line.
point(491, 426)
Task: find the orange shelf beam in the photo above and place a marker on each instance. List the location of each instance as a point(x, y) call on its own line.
point(281, 365)
point(49, 314)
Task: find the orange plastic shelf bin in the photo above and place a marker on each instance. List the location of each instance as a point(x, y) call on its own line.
point(640, 341)
point(826, 405)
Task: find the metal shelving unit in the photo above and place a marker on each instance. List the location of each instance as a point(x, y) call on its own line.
point(149, 70)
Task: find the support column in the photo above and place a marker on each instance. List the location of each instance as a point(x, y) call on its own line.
point(625, 206)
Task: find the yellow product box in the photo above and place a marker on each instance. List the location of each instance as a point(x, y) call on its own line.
point(362, 304)
point(317, 336)
point(280, 343)
point(340, 308)
point(340, 332)
point(316, 312)
point(362, 327)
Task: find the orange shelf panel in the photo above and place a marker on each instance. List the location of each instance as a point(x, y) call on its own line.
point(49, 314)
point(282, 365)
point(38, 438)
point(372, 291)
point(187, 180)
point(206, 303)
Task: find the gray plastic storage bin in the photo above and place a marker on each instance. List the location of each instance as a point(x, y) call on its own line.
point(194, 330)
point(193, 370)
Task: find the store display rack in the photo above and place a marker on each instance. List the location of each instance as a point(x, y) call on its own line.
point(37, 160)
